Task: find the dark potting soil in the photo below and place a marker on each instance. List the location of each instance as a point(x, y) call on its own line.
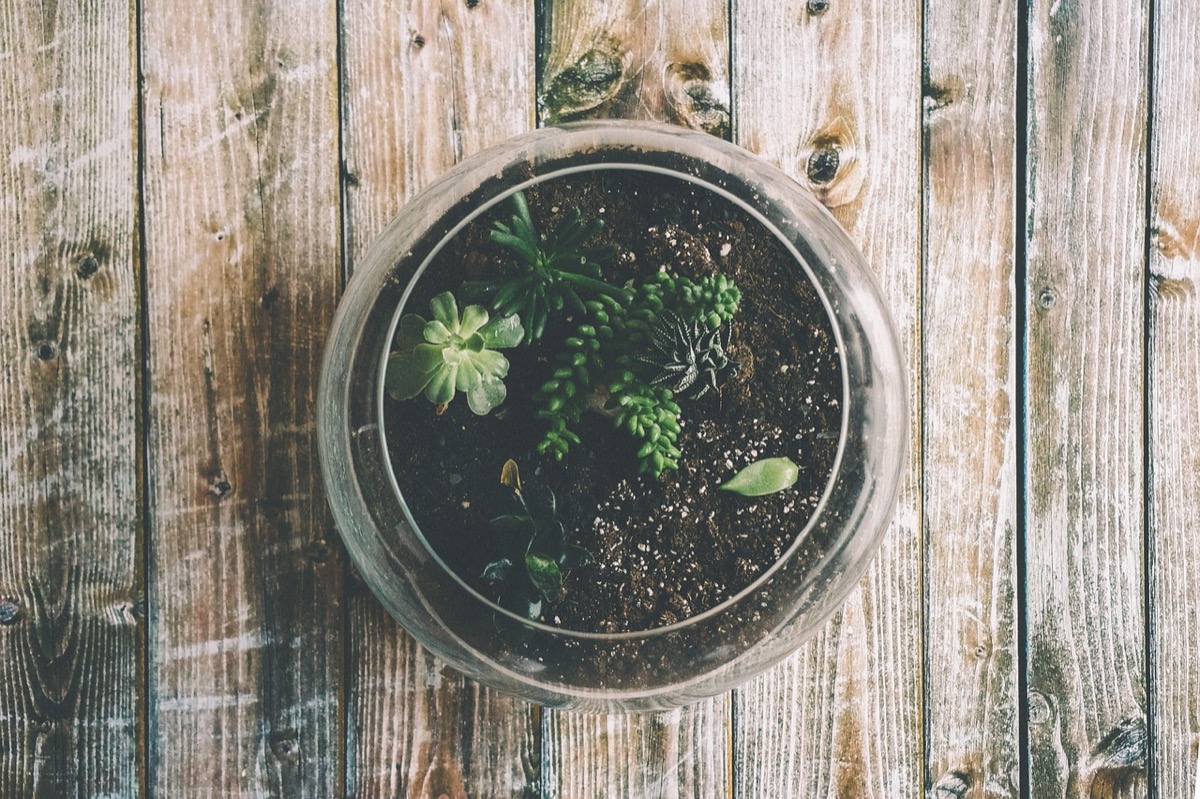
point(664, 548)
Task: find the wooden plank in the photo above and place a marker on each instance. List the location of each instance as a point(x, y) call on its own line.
point(242, 244)
point(1084, 449)
point(1174, 374)
point(969, 353)
point(425, 84)
point(70, 572)
point(666, 60)
point(844, 119)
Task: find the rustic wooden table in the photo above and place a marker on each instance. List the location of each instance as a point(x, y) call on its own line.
point(185, 186)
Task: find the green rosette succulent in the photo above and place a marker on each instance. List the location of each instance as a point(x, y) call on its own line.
point(450, 353)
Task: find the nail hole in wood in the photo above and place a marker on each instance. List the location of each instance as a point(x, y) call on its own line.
point(472, 4)
point(220, 487)
point(1047, 298)
point(46, 350)
point(268, 298)
point(818, 7)
point(87, 267)
point(417, 40)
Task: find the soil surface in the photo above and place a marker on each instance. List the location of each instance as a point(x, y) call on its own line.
point(664, 548)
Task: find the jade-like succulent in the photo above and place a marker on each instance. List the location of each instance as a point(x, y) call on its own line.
point(451, 353)
point(555, 271)
point(533, 547)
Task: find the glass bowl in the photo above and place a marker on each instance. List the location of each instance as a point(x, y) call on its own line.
point(697, 656)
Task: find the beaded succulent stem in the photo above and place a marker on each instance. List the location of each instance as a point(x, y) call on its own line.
point(607, 354)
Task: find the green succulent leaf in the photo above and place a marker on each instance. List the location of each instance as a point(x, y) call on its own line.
point(486, 394)
point(445, 310)
point(410, 333)
point(766, 476)
point(502, 332)
point(473, 318)
point(409, 373)
point(545, 576)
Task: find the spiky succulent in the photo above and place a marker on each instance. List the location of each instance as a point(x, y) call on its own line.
point(686, 356)
point(533, 547)
point(449, 353)
point(554, 271)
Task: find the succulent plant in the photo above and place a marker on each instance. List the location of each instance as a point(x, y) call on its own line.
point(451, 353)
point(687, 356)
point(533, 546)
point(555, 271)
point(611, 362)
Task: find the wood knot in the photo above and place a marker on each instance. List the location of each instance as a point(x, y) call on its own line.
point(1047, 298)
point(10, 611)
point(1040, 711)
point(831, 165)
point(952, 785)
point(590, 82)
point(823, 163)
point(268, 298)
point(46, 350)
point(87, 267)
point(285, 745)
point(695, 100)
point(1123, 749)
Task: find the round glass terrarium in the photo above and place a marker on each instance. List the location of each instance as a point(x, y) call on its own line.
point(398, 472)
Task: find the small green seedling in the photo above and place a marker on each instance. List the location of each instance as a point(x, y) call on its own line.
point(534, 551)
point(451, 353)
point(763, 477)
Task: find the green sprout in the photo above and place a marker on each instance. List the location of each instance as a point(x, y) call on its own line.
point(534, 551)
point(450, 353)
point(555, 271)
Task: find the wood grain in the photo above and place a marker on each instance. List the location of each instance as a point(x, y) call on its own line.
point(426, 83)
point(1174, 374)
point(242, 245)
point(70, 565)
point(665, 60)
point(830, 92)
point(1085, 503)
point(970, 471)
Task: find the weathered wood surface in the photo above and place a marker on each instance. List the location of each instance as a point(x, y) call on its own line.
point(831, 92)
point(667, 61)
point(70, 564)
point(970, 400)
point(1085, 499)
point(242, 243)
point(1174, 395)
point(261, 669)
point(426, 83)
